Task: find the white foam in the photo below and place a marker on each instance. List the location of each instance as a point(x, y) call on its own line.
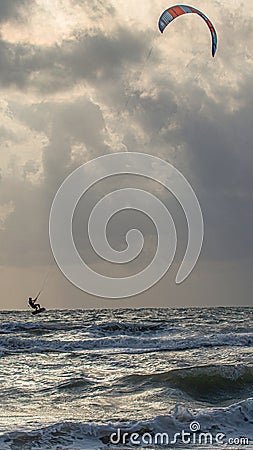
point(235, 421)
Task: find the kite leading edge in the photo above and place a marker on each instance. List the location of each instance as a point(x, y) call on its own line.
point(175, 11)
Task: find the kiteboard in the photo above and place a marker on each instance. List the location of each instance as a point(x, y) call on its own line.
point(38, 311)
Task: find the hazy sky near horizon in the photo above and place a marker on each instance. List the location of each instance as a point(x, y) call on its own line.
point(75, 84)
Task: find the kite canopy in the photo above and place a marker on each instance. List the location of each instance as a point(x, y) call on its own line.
point(178, 10)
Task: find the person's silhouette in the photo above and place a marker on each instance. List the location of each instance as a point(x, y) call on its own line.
point(33, 304)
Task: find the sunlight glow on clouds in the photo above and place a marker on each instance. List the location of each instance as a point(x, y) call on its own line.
point(78, 80)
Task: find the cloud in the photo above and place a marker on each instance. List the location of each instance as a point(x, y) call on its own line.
point(95, 59)
point(101, 90)
point(68, 126)
point(7, 135)
point(97, 9)
point(13, 9)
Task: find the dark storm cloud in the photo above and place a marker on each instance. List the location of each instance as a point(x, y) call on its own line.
point(216, 158)
point(18, 62)
point(211, 141)
point(219, 147)
point(206, 138)
point(98, 57)
point(12, 9)
point(91, 58)
point(80, 123)
point(64, 125)
point(12, 70)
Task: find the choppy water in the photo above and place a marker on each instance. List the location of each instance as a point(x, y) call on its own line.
point(71, 378)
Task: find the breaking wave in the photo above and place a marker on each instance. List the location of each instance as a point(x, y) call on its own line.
point(234, 421)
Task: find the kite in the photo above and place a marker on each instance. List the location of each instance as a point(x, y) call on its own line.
point(178, 10)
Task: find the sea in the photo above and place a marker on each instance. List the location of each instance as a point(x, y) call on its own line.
point(127, 378)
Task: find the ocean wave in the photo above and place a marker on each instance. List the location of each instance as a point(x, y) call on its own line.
point(116, 327)
point(233, 422)
point(123, 344)
point(74, 383)
point(210, 383)
point(103, 329)
point(40, 327)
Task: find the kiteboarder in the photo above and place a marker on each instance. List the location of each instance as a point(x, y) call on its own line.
point(33, 304)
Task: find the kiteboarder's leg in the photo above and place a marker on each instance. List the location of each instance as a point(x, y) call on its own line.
point(37, 306)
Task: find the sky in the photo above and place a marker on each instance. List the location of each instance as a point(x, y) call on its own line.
point(81, 79)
